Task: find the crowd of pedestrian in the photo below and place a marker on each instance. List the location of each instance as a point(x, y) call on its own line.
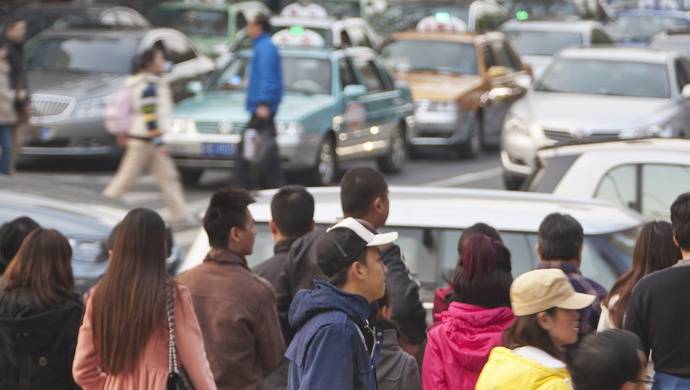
point(337, 308)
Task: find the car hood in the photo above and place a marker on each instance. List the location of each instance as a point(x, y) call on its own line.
point(591, 112)
point(230, 106)
point(537, 63)
point(435, 86)
point(73, 84)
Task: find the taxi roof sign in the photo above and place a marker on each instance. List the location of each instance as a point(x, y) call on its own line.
point(298, 36)
point(441, 22)
point(304, 10)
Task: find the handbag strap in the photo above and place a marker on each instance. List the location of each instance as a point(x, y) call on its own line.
point(172, 351)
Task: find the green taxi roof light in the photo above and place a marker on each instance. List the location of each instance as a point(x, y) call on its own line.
point(522, 15)
point(442, 17)
point(296, 30)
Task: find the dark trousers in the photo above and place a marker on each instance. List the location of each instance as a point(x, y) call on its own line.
point(6, 137)
point(267, 173)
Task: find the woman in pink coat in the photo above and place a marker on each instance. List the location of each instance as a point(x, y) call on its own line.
point(123, 340)
point(458, 345)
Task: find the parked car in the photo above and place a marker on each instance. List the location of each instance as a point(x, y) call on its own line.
point(597, 93)
point(430, 221)
point(523, 10)
point(43, 16)
point(637, 27)
point(73, 73)
point(462, 83)
point(478, 15)
point(677, 40)
point(211, 26)
point(538, 42)
point(338, 105)
point(645, 175)
point(85, 220)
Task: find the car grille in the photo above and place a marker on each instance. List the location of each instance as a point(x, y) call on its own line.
point(46, 108)
point(219, 127)
point(567, 136)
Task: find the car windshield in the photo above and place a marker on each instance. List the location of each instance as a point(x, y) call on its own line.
point(303, 75)
point(540, 9)
point(212, 23)
point(601, 77)
point(681, 47)
point(342, 8)
point(643, 28)
point(90, 54)
point(450, 57)
point(403, 17)
point(542, 43)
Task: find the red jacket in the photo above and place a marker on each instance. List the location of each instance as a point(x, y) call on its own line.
point(458, 345)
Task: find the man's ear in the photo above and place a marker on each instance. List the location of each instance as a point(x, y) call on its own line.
point(274, 228)
point(675, 241)
point(233, 236)
point(358, 270)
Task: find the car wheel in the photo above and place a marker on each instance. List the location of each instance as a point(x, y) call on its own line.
point(396, 156)
point(472, 147)
point(512, 182)
point(191, 177)
point(326, 166)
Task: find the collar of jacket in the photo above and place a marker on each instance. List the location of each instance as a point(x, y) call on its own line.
point(562, 265)
point(261, 37)
point(226, 256)
point(283, 246)
point(390, 339)
point(357, 304)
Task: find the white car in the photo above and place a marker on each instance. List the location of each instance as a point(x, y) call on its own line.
point(430, 221)
point(538, 42)
point(595, 94)
point(645, 175)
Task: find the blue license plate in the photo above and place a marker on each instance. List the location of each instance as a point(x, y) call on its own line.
point(219, 150)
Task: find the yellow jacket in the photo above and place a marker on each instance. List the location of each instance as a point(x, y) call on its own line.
point(507, 370)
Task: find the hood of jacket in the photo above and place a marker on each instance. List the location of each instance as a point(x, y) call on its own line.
point(326, 298)
point(468, 333)
point(507, 370)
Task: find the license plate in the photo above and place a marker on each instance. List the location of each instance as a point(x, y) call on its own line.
point(46, 134)
point(219, 150)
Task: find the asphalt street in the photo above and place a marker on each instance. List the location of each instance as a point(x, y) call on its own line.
point(91, 176)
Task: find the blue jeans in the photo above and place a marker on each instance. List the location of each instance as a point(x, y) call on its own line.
point(5, 149)
point(670, 382)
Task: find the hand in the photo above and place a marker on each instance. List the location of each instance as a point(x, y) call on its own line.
point(263, 112)
point(22, 95)
point(122, 140)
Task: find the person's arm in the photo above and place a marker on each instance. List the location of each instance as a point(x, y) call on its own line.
point(86, 366)
point(410, 375)
point(269, 337)
point(269, 66)
point(433, 374)
point(330, 360)
point(635, 317)
point(407, 311)
point(190, 342)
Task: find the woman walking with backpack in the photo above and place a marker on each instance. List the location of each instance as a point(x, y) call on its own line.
point(144, 106)
point(125, 340)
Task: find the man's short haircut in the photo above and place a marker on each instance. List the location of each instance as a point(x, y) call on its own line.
point(340, 278)
point(358, 190)
point(12, 234)
point(227, 209)
point(264, 21)
point(560, 237)
point(680, 219)
point(292, 210)
point(607, 360)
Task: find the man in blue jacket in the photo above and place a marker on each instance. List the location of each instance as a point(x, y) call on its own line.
point(335, 346)
point(259, 164)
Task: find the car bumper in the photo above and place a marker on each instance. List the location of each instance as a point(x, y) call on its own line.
point(86, 137)
point(441, 130)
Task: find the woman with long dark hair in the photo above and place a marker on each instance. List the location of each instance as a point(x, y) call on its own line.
point(39, 315)
point(123, 341)
point(654, 251)
point(459, 344)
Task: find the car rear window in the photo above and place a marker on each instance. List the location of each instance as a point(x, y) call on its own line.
point(549, 173)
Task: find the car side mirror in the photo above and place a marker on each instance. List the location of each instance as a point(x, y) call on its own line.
point(354, 91)
point(686, 91)
point(497, 71)
point(195, 87)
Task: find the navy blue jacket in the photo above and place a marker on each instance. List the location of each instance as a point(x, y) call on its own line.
point(265, 75)
point(328, 351)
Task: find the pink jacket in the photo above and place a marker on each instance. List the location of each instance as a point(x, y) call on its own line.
point(458, 345)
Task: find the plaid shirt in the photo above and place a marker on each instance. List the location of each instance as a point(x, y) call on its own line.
point(589, 319)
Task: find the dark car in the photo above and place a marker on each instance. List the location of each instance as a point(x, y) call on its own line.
point(41, 17)
point(85, 221)
point(73, 74)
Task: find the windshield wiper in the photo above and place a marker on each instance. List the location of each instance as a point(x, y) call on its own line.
point(435, 69)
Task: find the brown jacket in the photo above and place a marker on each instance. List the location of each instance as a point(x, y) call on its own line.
point(237, 314)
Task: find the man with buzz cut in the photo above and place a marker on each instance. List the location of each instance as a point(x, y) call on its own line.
point(335, 346)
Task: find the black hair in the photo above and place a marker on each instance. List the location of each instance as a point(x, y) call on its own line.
point(264, 21)
point(478, 228)
point(607, 360)
point(144, 59)
point(560, 237)
point(358, 190)
point(227, 209)
point(680, 219)
point(526, 331)
point(292, 210)
point(12, 234)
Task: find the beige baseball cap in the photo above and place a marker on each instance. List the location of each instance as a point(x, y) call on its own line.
point(542, 289)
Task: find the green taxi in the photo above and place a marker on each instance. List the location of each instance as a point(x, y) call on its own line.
point(338, 105)
point(210, 26)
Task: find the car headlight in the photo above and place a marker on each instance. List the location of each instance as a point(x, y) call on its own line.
point(90, 108)
point(92, 251)
point(182, 126)
point(447, 107)
point(290, 129)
